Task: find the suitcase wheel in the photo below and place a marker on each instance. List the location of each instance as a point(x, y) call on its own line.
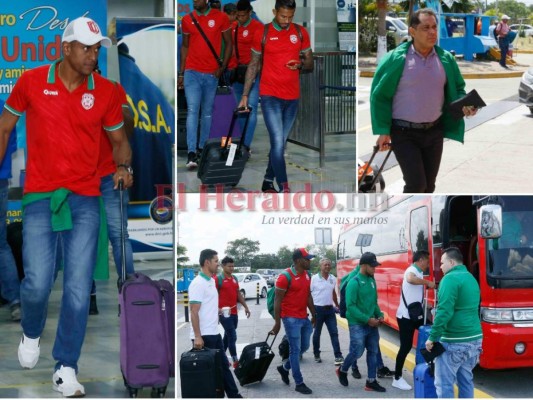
point(132, 392)
point(158, 392)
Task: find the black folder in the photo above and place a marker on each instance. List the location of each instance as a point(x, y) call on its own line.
point(436, 351)
point(472, 99)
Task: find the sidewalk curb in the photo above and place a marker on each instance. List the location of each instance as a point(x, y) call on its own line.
point(490, 75)
point(391, 350)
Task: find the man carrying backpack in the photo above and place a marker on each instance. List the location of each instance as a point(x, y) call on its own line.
point(228, 296)
point(292, 299)
point(364, 317)
point(383, 371)
point(501, 31)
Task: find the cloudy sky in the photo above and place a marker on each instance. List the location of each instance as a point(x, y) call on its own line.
point(208, 228)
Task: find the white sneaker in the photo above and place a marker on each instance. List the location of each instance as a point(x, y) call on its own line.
point(64, 381)
point(29, 350)
point(401, 384)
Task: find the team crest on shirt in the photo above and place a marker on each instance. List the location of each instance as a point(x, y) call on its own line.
point(211, 23)
point(294, 39)
point(245, 33)
point(87, 101)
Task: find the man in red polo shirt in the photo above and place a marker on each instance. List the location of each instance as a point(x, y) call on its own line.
point(66, 107)
point(292, 299)
point(200, 69)
point(228, 296)
point(285, 52)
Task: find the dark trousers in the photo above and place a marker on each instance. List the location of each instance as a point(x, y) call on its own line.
point(326, 315)
point(215, 342)
point(503, 43)
point(407, 332)
point(419, 153)
point(230, 333)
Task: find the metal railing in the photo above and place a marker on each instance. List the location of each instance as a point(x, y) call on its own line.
point(327, 101)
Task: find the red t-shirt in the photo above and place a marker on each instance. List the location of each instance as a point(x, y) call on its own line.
point(106, 164)
point(245, 37)
point(63, 129)
point(227, 293)
point(200, 58)
point(281, 46)
point(294, 303)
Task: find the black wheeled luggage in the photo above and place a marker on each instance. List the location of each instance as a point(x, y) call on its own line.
point(221, 162)
point(201, 374)
point(369, 180)
point(254, 362)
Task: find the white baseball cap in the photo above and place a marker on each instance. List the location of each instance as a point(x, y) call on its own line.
point(505, 17)
point(85, 31)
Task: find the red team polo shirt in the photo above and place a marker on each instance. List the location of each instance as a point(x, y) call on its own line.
point(233, 60)
point(63, 129)
point(245, 37)
point(294, 303)
point(227, 293)
point(281, 46)
point(213, 22)
point(106, 163)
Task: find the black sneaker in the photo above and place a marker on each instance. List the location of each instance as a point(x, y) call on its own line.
point(93, 308)
point(339, 360)
point(301, 388)
point(317, 358)
point(374, 386)
point(284, 374)
point(191, 160)
point(343, 377)
point(268, 187)
point(356, 374)
point(385, 372)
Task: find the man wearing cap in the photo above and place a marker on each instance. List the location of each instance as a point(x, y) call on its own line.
point(411, 90)
point(502, 30)
point(292, 299)
point(66, 106)
point(364, 317)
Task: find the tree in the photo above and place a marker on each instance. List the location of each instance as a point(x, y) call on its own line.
point(265, 261)
point(512, 8)
point(285, 256)
point(382, 30)
point(181, 257)
point(242, 251)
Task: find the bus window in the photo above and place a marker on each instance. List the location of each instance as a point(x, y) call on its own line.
point(419, 229)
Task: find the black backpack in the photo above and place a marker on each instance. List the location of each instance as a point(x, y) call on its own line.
point(342, 303)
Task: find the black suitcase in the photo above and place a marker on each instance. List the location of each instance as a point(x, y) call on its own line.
point(201, 374)
point(370, 180)
point(254, 362)
point(213, 169)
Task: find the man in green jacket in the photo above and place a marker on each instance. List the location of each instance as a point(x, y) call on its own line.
point(411, 90)
point(364, 317)
point(457, 327)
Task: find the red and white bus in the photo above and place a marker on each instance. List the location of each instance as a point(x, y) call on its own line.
point(495, 235)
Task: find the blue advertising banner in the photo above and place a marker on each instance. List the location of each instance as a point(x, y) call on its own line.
point(31, 31)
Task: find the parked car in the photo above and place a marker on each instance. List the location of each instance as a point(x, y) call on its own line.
point(398, 28)
point(248, 284)
point(269, 275)
point(527, 29)
point(525, 90)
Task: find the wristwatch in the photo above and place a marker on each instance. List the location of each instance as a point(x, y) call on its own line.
point(127, 167)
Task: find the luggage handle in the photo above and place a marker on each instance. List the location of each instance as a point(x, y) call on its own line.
point(122, 234)
point(236, 112)
point(375, 151)
point(376, 176)
point(273, 340)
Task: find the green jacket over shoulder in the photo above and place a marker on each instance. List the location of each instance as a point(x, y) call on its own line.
point(385, 83)
point(457, 318)
point(362, 300)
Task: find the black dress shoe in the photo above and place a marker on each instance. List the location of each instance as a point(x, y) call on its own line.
point(268, 187)
point(93, 308)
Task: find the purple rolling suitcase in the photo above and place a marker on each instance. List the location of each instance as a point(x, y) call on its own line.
point(223, 108)
point(146, 311)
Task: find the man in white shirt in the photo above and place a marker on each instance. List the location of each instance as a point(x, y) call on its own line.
point(413, 291)
point(326, 305)
point(203, 300)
